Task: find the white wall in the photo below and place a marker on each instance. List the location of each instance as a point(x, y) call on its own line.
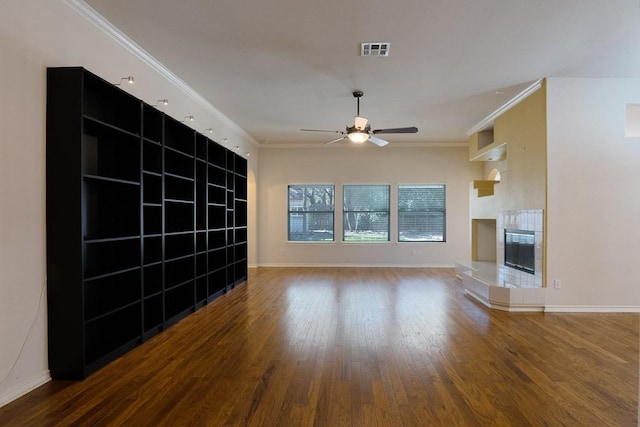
point(340, 165)
point(35, 34)
point(593, 215)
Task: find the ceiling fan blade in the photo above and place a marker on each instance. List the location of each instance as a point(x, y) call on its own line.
point(412, 129)
point(335, 140)
point(360, 123)
point(321, 130)
point(379, 142)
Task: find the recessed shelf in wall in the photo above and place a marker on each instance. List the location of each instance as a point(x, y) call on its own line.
point(482, 147)
point(484, 187)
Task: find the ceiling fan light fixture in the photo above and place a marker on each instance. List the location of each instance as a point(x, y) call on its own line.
point(358, 137)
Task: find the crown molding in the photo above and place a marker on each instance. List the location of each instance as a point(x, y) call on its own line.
point(91, 15)
point(487, 121)
point(451, 144)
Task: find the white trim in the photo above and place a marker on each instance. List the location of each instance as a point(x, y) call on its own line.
point(305, 265)
point(23, 388)
point(592, 309)
point(487, 121)
point(367, 147)
point(514, 308)
point(123, 40)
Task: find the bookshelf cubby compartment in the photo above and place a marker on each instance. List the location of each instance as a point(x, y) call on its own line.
point(217, 176)
point(152, 250)
point(152, 188)
point(217, 259)
point(178, 164)
point(152, 279)
point(241, 234)
point(152, 124)
point(201, 264)
point(140, 216)
point(178, 245)
point(178, 188)
point(178, 216)
point(109, 152)
point(201, 290)
point(217, 216)
point(111, 256)
point(217, 282)
point(152, 219)
point(111, 292)
point(178, 136)
point(109, 333)
point(217, 239)
point(152, 157)
point(201, 147)
point(153, 312)
point(104, 102)
point(179, 301)
point(178, 271)
point(111, 208)
point(201, 241)
point(217, 155)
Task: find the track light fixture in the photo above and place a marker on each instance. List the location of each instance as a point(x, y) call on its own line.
point(210, 130)
point(162, 102)
point(189, 118)
point(128, 79)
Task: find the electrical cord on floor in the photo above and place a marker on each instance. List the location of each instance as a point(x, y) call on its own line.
point(26, 338)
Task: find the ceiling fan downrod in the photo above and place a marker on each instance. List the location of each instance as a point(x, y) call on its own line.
point(358, 94)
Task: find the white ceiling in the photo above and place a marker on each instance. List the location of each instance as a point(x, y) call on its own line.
point(276, 66)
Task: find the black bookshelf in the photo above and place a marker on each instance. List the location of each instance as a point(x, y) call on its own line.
point(146, 221)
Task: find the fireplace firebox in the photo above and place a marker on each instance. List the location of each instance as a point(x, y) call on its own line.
point(519, 250)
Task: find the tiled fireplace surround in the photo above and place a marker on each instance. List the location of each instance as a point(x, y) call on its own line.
point(498, 286)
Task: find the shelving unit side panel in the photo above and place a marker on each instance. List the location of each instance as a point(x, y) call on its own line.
point(64, 223)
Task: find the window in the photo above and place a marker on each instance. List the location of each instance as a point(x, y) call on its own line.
point(366, 213)
point(421, 213)
point(311, 215)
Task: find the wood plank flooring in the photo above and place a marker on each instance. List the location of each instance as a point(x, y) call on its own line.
point(358, 347)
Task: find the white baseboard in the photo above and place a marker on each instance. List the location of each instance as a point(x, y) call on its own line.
point(355, 265)
point(19, 390)
point(591, 309)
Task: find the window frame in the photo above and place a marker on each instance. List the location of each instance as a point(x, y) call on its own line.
point(387, 212)
point(443, 210)
point(332, 211)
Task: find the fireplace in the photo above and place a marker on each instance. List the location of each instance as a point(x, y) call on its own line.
point(520, 250)
point(520, 242)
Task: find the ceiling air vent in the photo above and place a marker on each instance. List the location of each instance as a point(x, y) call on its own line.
point(375, 49)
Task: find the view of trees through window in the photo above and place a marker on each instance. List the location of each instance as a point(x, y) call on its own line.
point(366, 208)
point(366, 213)
point(311, 214)
point(421, 213)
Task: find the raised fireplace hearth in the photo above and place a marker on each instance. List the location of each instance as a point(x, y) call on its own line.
point(514, 281)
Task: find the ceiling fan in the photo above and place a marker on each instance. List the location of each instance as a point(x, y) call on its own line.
point(361, 130)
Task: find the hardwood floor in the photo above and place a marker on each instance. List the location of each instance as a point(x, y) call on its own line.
point(358, 347)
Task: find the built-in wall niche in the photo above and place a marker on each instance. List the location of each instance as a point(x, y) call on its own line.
point(528, 222)
point(483, 240)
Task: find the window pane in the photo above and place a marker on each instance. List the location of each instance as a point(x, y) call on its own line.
point(311, 215)
point(366, 213)
point(421, 213)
